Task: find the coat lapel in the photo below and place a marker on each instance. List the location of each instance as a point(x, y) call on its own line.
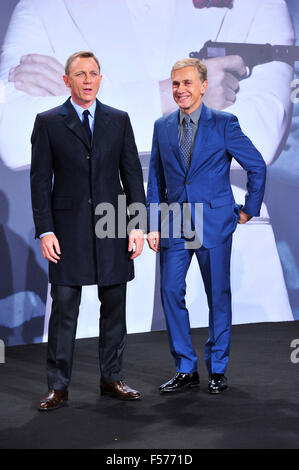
point(102, 121)
point(72, 121)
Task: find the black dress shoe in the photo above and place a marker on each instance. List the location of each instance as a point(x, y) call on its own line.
point(181, 382)
point(217, 383)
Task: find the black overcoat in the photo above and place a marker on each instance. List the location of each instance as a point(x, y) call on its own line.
point(70, 177)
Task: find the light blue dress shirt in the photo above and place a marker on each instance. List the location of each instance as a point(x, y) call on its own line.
point(79, 110)
point(92, 109)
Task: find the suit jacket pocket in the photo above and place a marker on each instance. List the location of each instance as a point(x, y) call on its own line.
point(62, 203)
point(222, 201)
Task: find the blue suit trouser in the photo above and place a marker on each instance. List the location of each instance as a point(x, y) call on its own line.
point(214, 265)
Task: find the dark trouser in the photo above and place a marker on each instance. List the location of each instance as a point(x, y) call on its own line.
point(62, 333)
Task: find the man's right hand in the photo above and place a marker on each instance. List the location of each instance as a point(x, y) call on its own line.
point(50, 248)
point(153, 240)
point(39, 75)
point(223, 78)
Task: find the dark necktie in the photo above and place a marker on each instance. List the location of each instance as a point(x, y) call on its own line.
point(86, 124)
point(186, 142)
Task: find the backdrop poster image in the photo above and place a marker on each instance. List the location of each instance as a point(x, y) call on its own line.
point(137, 44)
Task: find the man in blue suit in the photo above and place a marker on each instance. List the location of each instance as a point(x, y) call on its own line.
point(190, 164)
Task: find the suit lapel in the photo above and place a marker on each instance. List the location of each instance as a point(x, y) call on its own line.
point(72, 121)
point(172, 123)
point(206, 124)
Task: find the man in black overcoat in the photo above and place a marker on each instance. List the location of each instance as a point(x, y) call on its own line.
point(84, 154)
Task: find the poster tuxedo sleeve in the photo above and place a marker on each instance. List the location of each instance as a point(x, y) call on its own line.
point(263, 104)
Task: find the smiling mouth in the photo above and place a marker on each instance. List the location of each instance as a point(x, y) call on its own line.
point(182, 99)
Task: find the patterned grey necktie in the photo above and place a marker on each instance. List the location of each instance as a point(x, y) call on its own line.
point(186, 142)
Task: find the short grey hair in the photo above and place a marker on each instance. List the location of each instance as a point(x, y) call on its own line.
point(191, 62)
point(84, 55)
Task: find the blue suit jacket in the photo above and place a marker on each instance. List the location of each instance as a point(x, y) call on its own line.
point(218, 139)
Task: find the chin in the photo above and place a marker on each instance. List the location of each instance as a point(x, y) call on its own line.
point(184, 108)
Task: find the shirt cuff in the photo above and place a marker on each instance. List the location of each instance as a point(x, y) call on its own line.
point(45, 233)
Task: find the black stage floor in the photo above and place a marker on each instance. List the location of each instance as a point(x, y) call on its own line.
point(261, 409)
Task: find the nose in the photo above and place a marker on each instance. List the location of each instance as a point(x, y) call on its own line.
point(87, 78)
point(181, 88)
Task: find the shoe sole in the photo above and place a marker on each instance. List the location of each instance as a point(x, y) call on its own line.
point(62, 404)
point(114, 395)
point(182, 389)
point(218, 392)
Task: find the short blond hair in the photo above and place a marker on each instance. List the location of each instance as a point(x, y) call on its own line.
point(84, 55)
point(191, 62)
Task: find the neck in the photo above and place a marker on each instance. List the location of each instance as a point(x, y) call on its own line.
point(84, 104)
point(192, 109)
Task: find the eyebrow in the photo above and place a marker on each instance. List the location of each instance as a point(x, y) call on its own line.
point(175, 82)
point(83, 71)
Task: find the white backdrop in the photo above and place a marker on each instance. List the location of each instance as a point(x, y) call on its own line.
point(137, 42)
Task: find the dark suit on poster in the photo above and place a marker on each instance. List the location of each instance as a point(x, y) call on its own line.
point(218, 139)
point(84, 176)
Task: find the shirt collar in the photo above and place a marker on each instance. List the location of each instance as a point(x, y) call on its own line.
point(81, 110)
point(195, 116)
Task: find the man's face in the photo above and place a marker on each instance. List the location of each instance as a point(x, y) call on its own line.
point(84, 80)
point(187, 88)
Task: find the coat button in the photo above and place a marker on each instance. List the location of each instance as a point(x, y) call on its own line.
point(89, 201)
point(88, 157)
point(187, 182)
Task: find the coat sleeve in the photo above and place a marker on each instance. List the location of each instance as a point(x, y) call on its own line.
point(240, 147)
point(130, 170)
point(156, 187)
point(41, 174)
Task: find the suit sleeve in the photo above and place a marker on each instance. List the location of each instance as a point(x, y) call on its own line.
point(240, 147)
point(41, 174)
point(130, 169)
point(156, 187)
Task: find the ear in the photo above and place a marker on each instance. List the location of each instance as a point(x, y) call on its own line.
point(204, 87)
point(66, 80)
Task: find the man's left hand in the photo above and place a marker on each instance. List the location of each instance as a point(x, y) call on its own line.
point(243, 218)
point(39, 75)
point(136, 237)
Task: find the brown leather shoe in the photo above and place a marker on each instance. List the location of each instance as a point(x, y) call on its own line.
point(55, 399)
point(119, 390)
